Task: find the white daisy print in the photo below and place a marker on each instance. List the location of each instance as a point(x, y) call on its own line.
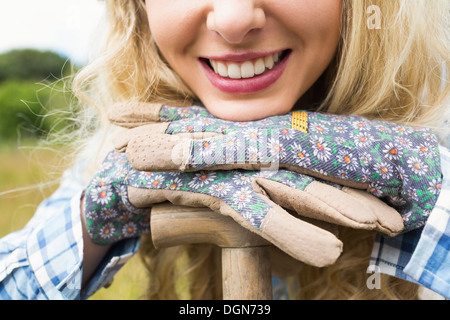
point(242, 197)
point(121, 172)
point(232, 143)
point(99, 181)
point(435, 186)
point(403, 130)
point(108, 213)
point(319, 128)
point(126, 216)
point(413, 195)
point(392, 152)
point(201, 152)
point(130, 176)
point(266, 174)
point(284, 122)
point(174, 184)
point(365, 174)
point(251, 133)
point(220, 189)
point(403, 142)
point(418, 166)
point(107, 231)
point(320, 149)
point(101, 195)
point(286, 134)
point(362, 139)
point(129, 229)
point(301, 157)
point(342, 174)
point(366, 158)
point(240, 179)
point(425, 150)
point(403, 175)
point(359, 124)
point(383, 128)
point(202, 179)
point(276, 149)
point(208, 147)
point(154, 180)
point(384, 169)
point(145, 176)
point(255, 155)
point(189, 127)
point(429, 137)
point(349, 160)
point(340, 128)
point(375, 189)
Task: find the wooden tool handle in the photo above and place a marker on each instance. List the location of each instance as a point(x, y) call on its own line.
point(246, 273)
point(246, 269)
point(175, 225)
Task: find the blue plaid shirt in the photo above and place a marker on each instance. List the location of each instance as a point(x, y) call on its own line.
point(423, 255)
point(44, 259)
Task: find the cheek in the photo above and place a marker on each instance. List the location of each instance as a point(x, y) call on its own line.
point(318, 27)
point(315, 21)
point(161, 29)
point(172, 26)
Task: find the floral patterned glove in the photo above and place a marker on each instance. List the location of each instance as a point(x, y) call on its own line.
point(119, 197)
point(136, 114)
point(398, 164)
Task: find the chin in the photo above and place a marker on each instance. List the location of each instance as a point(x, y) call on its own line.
point(245, 112)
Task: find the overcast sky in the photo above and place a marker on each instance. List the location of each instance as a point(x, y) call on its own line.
point(63, 26)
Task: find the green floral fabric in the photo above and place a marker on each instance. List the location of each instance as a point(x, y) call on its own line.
point(111, 217)
point(401, 164)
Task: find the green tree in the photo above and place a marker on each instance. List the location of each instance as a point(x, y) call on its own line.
point(30, 100)
point(21, 112)
point(30, 64)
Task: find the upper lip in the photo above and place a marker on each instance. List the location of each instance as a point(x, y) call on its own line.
point(239, 57)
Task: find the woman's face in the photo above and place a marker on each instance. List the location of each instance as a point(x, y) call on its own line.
point(247, 59)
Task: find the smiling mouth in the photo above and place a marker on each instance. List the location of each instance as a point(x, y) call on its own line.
point(246, 69)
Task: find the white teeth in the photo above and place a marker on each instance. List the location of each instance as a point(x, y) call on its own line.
point(276, 57)
point(260, 66)
point(222, 69)
point(234, 71)
point(246, 69)
point(269, 62)
point(214, 65)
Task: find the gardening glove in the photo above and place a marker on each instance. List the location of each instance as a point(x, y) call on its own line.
point(119, 197)
point(136, 114)
point(398, 164)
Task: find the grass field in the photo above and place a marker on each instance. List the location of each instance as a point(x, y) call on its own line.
point(27, 170)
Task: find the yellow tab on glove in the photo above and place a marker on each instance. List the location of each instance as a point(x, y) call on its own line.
point(300, 121)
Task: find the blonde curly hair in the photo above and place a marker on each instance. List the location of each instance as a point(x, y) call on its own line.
point(397, 73)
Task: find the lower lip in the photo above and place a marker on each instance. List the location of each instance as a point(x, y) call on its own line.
point(246, 86)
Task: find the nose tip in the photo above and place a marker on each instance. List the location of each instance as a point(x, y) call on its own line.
point(235, 19)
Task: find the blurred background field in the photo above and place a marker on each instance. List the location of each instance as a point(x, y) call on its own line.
point(34, 102)
point(42, 43)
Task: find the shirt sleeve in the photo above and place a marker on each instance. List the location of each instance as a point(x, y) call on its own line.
point(421, 256)
point(430, 263)
point(43, 261)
